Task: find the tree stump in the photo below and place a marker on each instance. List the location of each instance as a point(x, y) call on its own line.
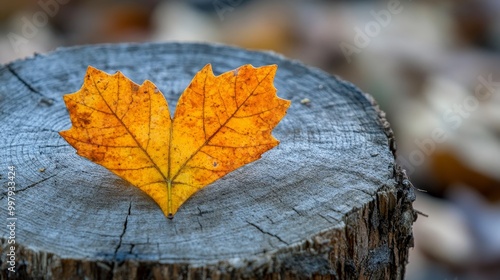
point(328, 202)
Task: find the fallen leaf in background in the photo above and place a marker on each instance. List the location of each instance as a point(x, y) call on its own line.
point(221, 123)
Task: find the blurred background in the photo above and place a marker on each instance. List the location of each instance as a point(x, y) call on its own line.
point(433, 66)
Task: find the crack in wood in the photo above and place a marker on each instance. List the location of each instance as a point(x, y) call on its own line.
point(25, 83)
point(28, 187)
point(54, 146)
point(296, 211)
point(268, 233)
point(199, 223)
point(131, 249)
point(326, 219)
point(121, 235)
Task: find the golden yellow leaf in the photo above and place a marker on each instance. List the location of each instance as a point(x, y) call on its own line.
point(221, 123)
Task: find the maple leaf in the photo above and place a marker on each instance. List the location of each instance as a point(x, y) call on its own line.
point(221, 123)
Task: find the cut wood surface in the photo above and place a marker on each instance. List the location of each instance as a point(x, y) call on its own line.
point(328, 201)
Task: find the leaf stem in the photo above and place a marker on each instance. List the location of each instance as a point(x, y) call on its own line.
point(169, 199)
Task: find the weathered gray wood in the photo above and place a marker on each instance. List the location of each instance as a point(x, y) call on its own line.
point(328, 200)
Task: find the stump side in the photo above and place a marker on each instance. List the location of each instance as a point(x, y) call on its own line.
point(328, 201)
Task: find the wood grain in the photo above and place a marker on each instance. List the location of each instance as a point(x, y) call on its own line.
point(328, 200)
